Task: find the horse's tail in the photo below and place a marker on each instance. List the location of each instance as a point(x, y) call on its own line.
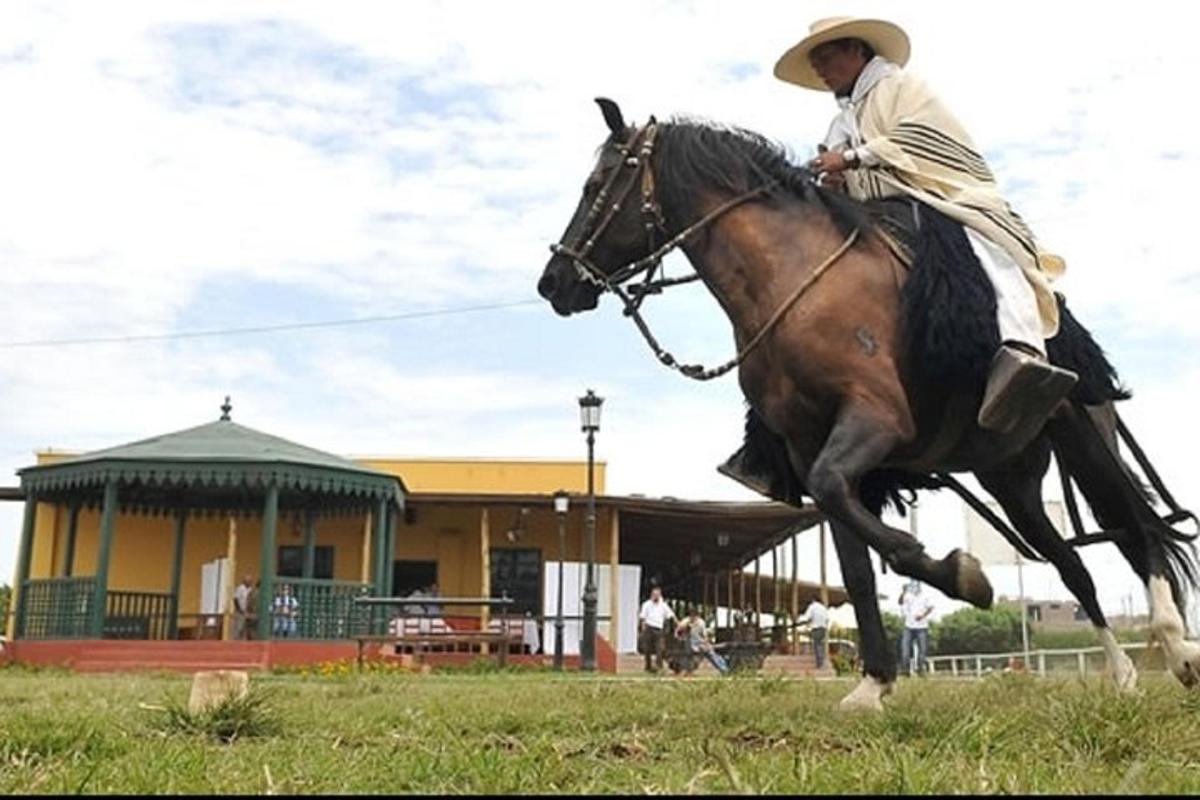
point(1074, 348)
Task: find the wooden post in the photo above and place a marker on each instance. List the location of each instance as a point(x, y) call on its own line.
point(266, 599)
point(176, 574)
point(824, 581)
point(614, 578)
point(310, 543)
point(485, 572)
point(775, 581)
point(795, 590)
point(24, 560)
point(108, 518)
point(72, 535)
point(365, 572)
point(264, 607)
point(742, 587)
point(729, 598)
point(758, 592)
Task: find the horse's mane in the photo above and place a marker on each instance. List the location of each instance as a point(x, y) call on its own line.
point(697, 154)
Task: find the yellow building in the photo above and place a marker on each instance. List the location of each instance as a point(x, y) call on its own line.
point(118, 543)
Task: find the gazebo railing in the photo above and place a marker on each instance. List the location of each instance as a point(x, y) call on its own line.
point(325, 609)
point(57, 608)
point(137, 615)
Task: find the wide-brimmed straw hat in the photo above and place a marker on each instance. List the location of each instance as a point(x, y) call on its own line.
point(886, 38)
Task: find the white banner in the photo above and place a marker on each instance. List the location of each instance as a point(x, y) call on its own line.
point(986, 544)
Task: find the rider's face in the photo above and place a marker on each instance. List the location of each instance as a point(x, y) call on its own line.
point(838, 63)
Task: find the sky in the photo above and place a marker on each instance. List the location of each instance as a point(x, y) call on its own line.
point(177, 167)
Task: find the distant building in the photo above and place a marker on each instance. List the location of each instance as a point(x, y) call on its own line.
point(1060, 615)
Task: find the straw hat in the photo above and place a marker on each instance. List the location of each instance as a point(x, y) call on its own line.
point(887, 39)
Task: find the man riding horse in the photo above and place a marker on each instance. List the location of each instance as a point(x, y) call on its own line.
point(895, 137)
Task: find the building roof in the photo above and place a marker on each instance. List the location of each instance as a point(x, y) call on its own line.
point(218, 455)
point(667, 532)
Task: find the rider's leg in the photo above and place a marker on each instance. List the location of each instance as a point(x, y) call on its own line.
point(1022, 383)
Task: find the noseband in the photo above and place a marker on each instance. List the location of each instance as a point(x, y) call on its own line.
point(636, 154)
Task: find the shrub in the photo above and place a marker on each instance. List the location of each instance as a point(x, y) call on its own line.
point(974, 630)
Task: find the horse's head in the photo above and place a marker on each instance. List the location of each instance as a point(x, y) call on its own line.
point(610, 230)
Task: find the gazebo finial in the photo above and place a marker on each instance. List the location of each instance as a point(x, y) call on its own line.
point(225, 409)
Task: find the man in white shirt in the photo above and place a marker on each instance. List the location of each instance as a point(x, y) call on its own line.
point(816, 616)
point(652, 621)
point(241, 596)
point(916, 609)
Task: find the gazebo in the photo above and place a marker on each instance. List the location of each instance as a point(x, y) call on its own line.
point(220, 469)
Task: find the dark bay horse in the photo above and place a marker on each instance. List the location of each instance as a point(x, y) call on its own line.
point(842, 356)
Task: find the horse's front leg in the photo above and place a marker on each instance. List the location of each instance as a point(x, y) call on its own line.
point(859, 441)
point(879, 660)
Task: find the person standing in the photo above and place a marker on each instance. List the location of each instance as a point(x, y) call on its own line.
point(284, 611)
point(816, 616)
point(697, 633)
point(241, 596)
point(916, 608)
point(652, 620)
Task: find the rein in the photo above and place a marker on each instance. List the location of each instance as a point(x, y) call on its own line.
point(653, 222)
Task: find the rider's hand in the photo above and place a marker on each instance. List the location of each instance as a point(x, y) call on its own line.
point(830, 161)
point(834, 180)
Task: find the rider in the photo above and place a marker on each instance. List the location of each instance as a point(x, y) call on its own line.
point(894, 136)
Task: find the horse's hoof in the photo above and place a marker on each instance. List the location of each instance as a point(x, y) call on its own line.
point(1184, 662)
point(969, 580)
point(1125, 676)
point(867, 696)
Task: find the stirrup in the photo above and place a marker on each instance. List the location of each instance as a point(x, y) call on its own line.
point(1022, 387)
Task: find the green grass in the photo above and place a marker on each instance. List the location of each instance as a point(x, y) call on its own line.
point(547, 733)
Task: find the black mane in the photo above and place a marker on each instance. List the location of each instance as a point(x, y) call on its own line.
point(696, 155)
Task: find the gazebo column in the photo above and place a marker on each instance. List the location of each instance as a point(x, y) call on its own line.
point(795, 591)
point(108, 517)
point(379, 539)
point(68, 566)
point(394, 512)
point(758, 592)
point(266, 601)
point(176, 575)
point(24, 559)
point(310, 542)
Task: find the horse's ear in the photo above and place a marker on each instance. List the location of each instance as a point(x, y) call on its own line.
point(612, 115)
point(653, 120)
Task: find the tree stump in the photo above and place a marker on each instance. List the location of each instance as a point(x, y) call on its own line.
point(210, 689)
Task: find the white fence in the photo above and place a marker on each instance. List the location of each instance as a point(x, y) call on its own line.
point(1081, 661)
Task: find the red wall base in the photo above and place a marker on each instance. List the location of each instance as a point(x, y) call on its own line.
point(90, 655)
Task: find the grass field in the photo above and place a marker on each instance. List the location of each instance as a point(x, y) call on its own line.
point(64, 733)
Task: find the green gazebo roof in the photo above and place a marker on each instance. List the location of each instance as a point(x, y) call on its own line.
point(221, 455)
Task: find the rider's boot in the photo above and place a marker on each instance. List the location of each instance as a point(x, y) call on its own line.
point(1022, 386)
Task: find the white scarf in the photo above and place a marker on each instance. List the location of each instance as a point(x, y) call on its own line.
point(843, 132)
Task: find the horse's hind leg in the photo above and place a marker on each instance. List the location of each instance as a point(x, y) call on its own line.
point(1017, 486)
point(879, 663)
point(859, 442)
point(1117, 502)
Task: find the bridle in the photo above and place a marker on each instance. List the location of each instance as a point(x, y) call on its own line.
point(636, 154)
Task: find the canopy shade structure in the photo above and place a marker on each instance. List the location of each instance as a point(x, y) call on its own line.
point(221, 466)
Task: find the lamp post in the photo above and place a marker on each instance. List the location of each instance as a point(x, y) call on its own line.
point(560, 508)
point(589, 418)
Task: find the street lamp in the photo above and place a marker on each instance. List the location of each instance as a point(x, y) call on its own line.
point(589, 419)
point(561, 504)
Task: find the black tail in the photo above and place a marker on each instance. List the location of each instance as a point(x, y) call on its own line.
point(1074, 348)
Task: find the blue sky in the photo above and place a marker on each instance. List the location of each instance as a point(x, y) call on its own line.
point(174, 167)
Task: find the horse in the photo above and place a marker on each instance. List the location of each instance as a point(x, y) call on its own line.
point(862, 373)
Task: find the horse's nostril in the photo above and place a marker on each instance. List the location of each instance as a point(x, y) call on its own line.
point(547, 285)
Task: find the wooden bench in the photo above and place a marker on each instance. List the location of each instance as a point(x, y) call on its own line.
point(420, 642)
